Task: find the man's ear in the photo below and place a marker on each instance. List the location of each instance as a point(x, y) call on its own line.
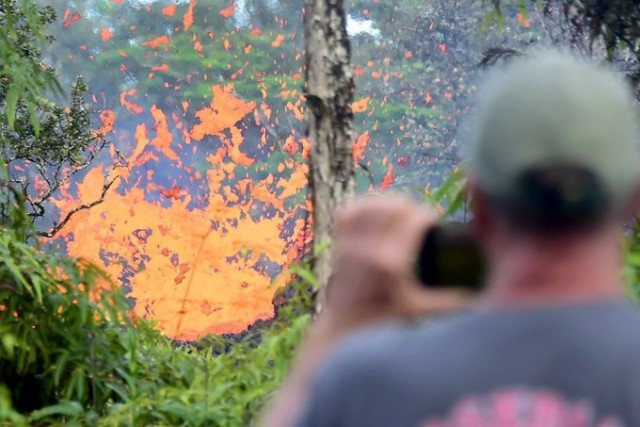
point(479, 206)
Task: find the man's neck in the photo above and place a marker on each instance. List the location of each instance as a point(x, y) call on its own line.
point(536, 272)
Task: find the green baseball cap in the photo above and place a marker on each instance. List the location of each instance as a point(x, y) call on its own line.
point(556, 134)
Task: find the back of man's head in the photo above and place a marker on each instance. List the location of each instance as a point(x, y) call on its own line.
point(554, 144)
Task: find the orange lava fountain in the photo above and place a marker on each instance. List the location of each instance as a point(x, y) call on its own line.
point(198, 264)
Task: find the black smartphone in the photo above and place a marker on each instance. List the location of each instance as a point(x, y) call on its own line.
point(451, 257)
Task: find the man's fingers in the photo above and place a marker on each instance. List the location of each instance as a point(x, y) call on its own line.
point(377, 239)
point(386, 231)
point(403, 243)
point(372, 212)
point(416, 224)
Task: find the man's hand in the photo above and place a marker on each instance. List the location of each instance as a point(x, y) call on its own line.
point(376, 242)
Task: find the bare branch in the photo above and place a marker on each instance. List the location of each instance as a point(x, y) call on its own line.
point(368, 171)
point(494, 54)
point(56, 228)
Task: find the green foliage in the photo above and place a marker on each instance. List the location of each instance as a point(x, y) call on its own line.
point(450, 197)
point(63, 136)
point(58, 342)
point(24, 28)
point(196, 388)
point(42, 143)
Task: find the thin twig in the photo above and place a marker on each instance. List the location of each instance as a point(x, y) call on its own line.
point(56, 228)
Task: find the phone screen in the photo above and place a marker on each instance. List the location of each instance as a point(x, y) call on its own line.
point(450, 256)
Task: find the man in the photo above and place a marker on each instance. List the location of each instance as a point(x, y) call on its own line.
point(554, 169)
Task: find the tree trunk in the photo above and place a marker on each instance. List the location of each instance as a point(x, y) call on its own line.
point(329, 93)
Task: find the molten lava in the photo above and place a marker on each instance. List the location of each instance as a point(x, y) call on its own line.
point(196, 248)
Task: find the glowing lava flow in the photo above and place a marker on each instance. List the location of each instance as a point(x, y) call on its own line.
point(198, 262)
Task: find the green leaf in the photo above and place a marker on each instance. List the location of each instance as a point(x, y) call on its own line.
point(17, 274)
point(12, 103)
point(489, 19)
point(33, 118)
point(306, 275)
point(60, 366)
point(37, 283)
point(9, 342)
point(457, 203)
point(67, 408)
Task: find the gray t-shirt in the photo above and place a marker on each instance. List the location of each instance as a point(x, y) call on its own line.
point(570, 365)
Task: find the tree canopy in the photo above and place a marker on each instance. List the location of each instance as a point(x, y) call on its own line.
point(608, 29)
point(44, 143)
